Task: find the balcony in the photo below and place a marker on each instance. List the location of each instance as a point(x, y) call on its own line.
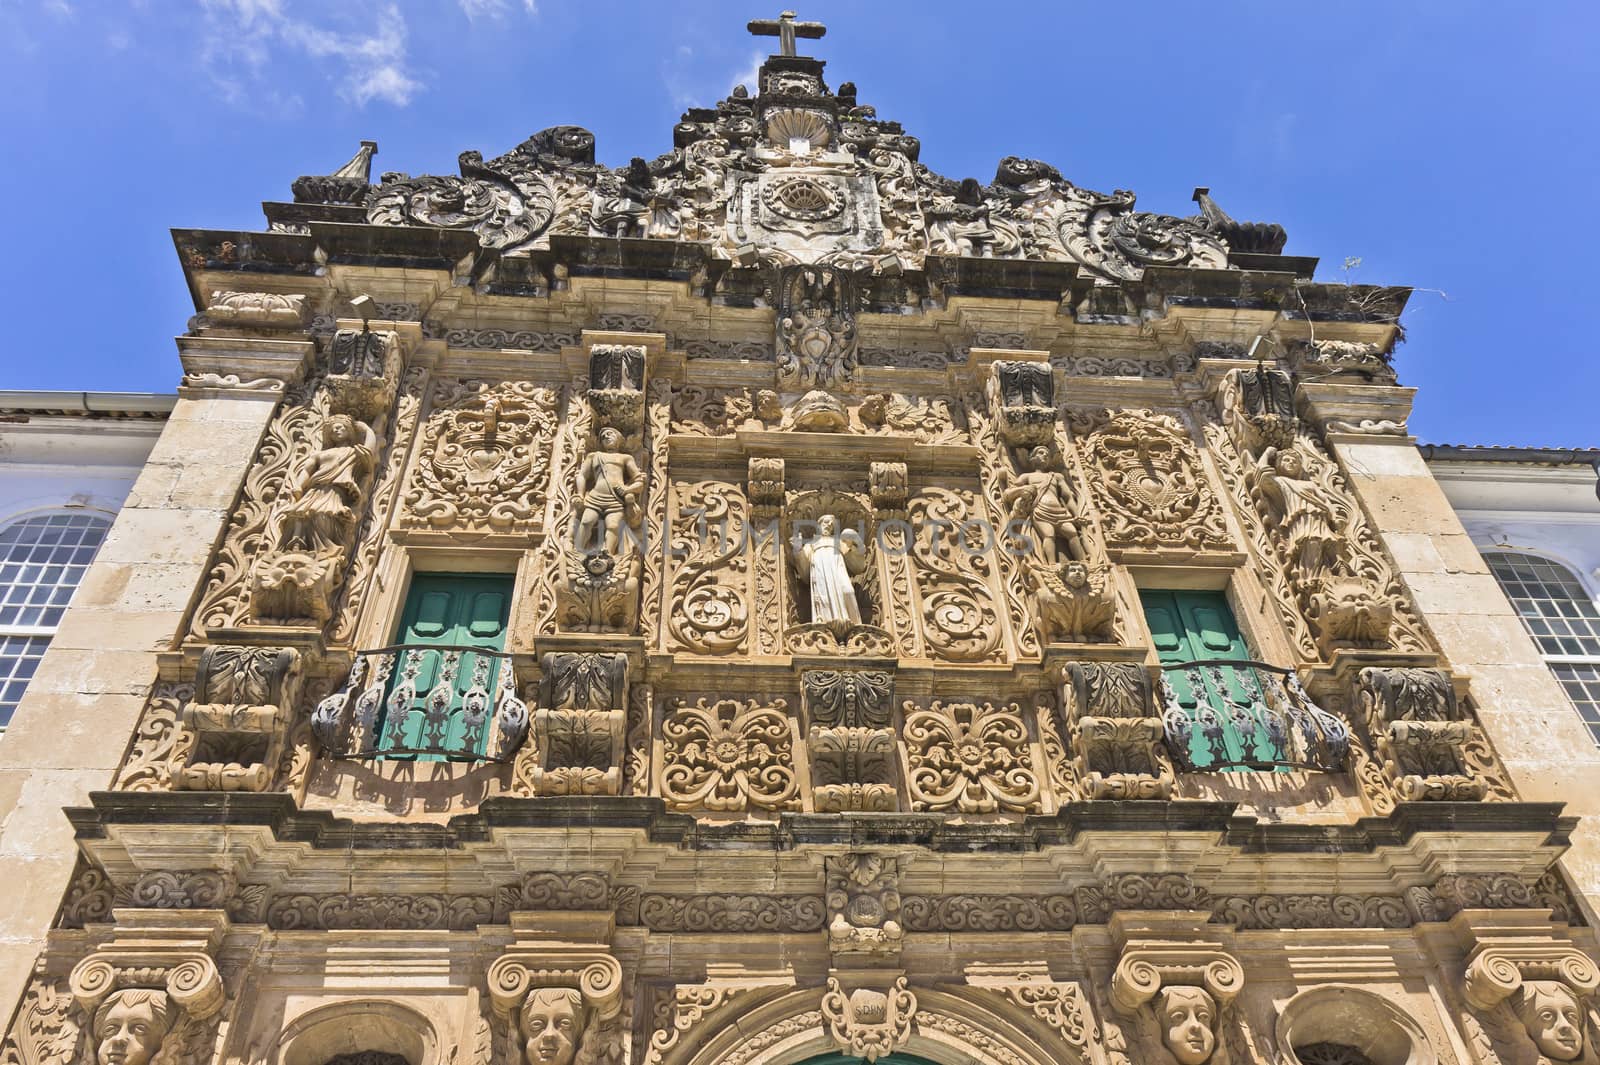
point(1238, 714)
point(440, 703)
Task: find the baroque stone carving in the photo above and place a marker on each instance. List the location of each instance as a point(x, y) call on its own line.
point(728, 755)
point(1024, 398)
point(951, 564)
point(989, 913)
point(363, 370)
point(830, 562)
point(595, 586)
point(731, 913)
point(709, 598)
point(1176, 994)
point(484, 459)
point(563, 1001)
point(268, 309)
point(232, 733)
point(579, 727)
point(850, 745)
point(1148, 481)
point(816, 309)
point(863, 904)
point(867, 1023)
point(1117, 741)
point(1530, 989)
point(971, 758)
point(1429, 749)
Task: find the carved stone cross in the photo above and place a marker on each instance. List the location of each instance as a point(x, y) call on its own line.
point(786, 29)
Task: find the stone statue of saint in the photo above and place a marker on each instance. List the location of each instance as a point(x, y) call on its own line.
point(1042, 498)
point(609, 483)
point(130, 1025)
point(828, 561)
point(1187, 1015)
point(321, 515)
point(551, 1023)
point(1549, 1011)
point(1306, 514)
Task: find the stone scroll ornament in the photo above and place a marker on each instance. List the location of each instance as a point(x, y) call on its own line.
point(849, 740)
point(728, 756)
point(799, 175)
point(709, 611)
point(869, 1022)
point(1178, 998)
point(1117, 741)
point(1336, 587)
point(561, 1006)
point(1532, 1003)
point(484, 460)
point(970, 758)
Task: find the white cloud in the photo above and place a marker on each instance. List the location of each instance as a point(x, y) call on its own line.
point(245, 40)
point(494, 9)
point(750, 74)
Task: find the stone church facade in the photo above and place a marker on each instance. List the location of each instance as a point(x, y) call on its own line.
point(778, 604)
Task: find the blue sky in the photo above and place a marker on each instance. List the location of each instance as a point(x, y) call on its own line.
point(1449, 146)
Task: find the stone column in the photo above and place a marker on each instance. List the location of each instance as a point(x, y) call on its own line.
point(1542, 743)
point(71, 730)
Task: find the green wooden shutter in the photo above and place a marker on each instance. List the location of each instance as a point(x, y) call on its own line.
point(446, 616)
point(1191, 626)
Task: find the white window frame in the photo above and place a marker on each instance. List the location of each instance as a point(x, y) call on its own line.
point(1584, 587)
point(40, 631)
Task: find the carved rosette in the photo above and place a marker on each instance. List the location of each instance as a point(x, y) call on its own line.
point(231, 734)
point(728, 755)
point(970, 758)
point(483, 464)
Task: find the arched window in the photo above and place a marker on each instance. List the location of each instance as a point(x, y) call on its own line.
point(1562, 619)
point(42, 559)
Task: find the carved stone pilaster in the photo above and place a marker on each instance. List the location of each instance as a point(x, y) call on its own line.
point(558, 985)
point(1528, 987)
point(579, 727)
point(1117, 742)
point(849, 740)
point(863, 899)
point(231, 735)
point(1175, 984)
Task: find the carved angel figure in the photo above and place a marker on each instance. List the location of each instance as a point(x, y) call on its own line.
point(828, 561)
point(1549, 1011)
point(1042, 498)
point(130, 1025)
point(321, 515)
point(610, 482)
point(1307, 515)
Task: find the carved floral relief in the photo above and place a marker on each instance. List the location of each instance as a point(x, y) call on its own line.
point(728, 755)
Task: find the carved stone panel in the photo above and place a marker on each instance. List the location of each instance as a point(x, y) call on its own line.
point(970, 758)
point(483, 463)
point(232, 734)
point(728, 756)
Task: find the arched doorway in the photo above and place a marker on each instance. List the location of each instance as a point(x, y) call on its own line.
point(845, 1059)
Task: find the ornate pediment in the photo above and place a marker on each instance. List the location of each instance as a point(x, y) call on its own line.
point(798, 173)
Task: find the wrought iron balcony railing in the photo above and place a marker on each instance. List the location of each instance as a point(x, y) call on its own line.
point(440, 702)
point(1241, 714)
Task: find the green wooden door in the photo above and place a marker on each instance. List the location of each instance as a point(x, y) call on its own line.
point(1198, 627)
point(440, 686)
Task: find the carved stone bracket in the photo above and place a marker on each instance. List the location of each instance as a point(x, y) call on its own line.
point(850, 742)
point(616, 387)
point(558, 983)
point(165, 952)
point(1429, 749)
point(863, 899)
point(579, 727)
point(261, 310)
point(363, 371)
point(1022, 396)
point(1178, 988)
point(231, 735)
point(1526, 984)
point(1117, 743)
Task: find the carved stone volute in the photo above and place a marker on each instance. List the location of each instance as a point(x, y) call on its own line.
point(232, 733)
